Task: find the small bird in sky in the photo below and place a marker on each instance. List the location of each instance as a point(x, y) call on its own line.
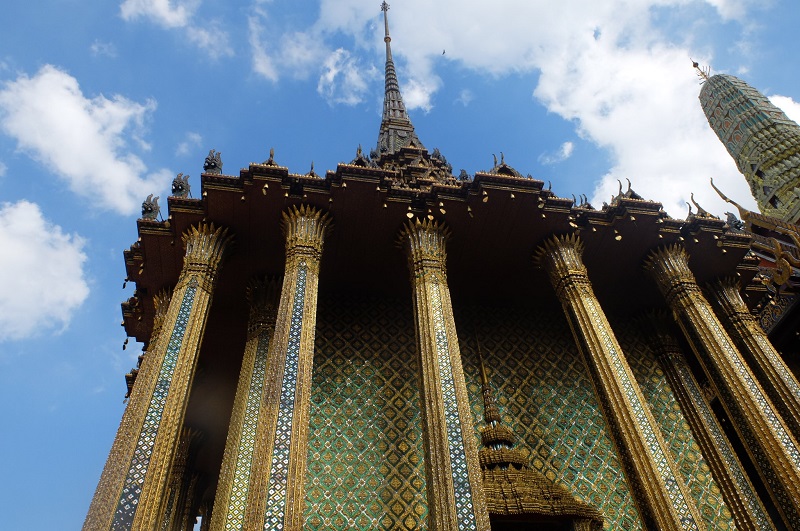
point(442, 52)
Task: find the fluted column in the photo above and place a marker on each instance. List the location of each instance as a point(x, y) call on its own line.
point(233, 487)
point(663, 498)
point(456, 499)
point(278, 478)
point(770, 444)
point(142, 501)
point(107, 494)
point(766, 363)
point(737, 491)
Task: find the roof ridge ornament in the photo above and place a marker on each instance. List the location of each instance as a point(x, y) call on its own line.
point(743, 212)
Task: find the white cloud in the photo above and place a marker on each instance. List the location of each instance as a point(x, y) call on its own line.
point(211, 38)
point(298, 54)
point(208, 35)
point(563, 153)
point(343, 79)
point(465, 97)
point(787, 105)
point(192, 140)
point(43, 280)
point(81, 139)
point(263, 64)
point(606, 67)
point(162, 12)
point(106, 49)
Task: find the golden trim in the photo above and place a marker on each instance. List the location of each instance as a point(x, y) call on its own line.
point(662, 496)
point(424, 243)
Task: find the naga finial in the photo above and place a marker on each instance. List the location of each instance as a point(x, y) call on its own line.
point(213, 162)
point(150, 208)
point(701, 212)
point(743, 213)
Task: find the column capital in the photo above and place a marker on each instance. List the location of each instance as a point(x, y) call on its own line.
point(425, 243)
point(263, 296)
point(305, 227)
point(669, 267)
point(206, 247)
point(562, 258)
point(725, 291)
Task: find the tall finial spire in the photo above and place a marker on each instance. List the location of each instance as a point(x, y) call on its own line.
point(703, 72)
point(396, 129)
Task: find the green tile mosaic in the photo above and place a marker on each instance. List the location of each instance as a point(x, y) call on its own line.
point(545, 393)
point(365, 468)
point(674, 429)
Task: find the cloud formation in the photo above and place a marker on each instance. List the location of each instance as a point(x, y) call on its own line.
point(608, 68)
point(191, 140)
point(209, 36)
point(43, 280)
point(342, 77)
point(563, 153)
point(83, 140)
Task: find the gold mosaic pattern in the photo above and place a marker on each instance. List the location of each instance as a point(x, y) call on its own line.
point(543, 389)
point(365, 458)
point(675, 430)
point(244, 458)
point(132, 488)
point(458, 460)
point(279, 471)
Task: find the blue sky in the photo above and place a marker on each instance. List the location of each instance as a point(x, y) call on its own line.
point(101, 105)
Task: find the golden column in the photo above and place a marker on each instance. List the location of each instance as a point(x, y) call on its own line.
point(456, 499)
point(740, 496)
point(139, 495)
point(764, 361)
point(106, 497)
point(773, 449)
point(277, 482)
point(144, 495)
point(237, 463)
point(663, 498)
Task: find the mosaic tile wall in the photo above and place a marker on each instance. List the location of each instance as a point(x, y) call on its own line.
point(674, 429)
point(365, 469)
point(546, 396)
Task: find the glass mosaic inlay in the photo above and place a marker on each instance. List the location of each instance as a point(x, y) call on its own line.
point(750, 498)
point(745, 377)
point(279, 471)
point(676, 431)
point(545, 394)
point(465, 512)
point(365, 448)
point(648, 430)
point(749, 437)
point(132, 488)
point(247, 441)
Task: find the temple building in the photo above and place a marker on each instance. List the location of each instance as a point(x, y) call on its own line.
point(390, 346)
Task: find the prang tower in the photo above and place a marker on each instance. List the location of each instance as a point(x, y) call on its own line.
point(762, 140)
